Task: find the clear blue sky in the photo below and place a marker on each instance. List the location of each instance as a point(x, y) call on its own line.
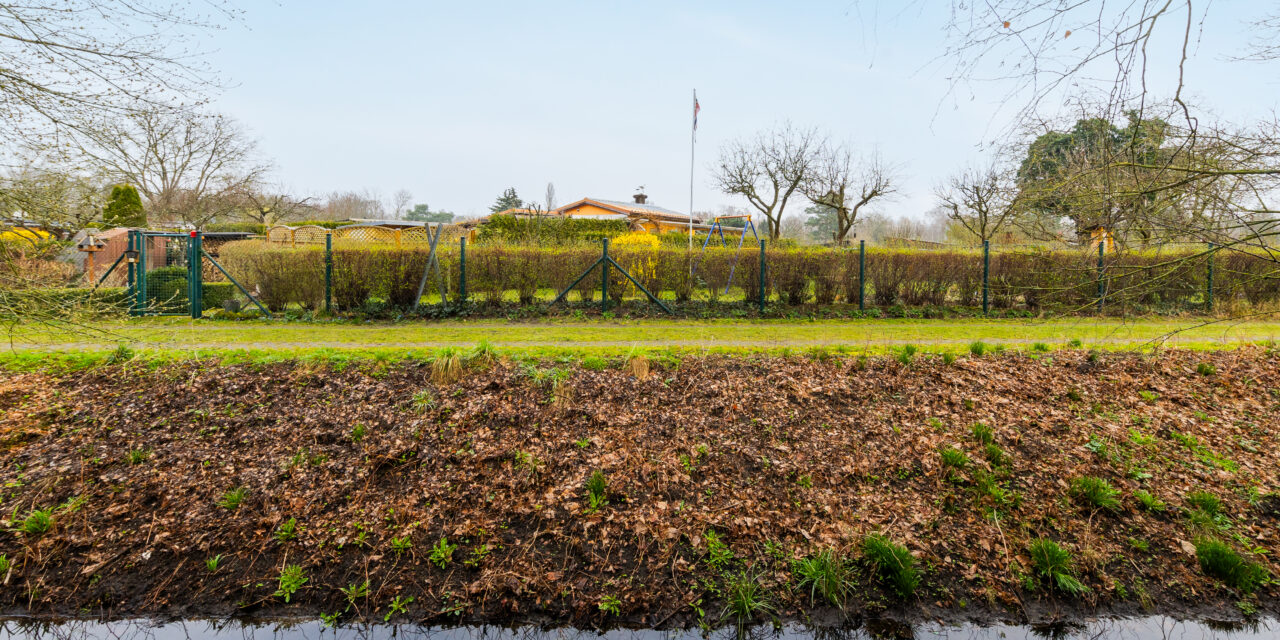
point(456, 101)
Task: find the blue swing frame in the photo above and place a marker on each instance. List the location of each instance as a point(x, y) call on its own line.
point(724, 242)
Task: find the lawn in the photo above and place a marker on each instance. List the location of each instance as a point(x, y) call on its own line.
point(617, 336)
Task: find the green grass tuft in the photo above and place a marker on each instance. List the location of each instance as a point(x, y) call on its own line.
point(827, 574)
point(1219, 560)
point(893, 563)
point(1054, 563)
point(1096, 492)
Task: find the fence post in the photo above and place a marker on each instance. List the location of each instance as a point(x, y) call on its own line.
point(195, 275)
point(986, 277)
point(328, 271)
point(604, 277)
point(142, 273)
point(1208, 294)
point(131, 275)
point(1102, 285)
point(762, 276)
point(462, 269)
point(862, 275)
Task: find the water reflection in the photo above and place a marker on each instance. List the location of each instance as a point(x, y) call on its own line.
point(1151, 628)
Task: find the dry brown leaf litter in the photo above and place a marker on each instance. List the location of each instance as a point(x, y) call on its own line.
point(793, 452)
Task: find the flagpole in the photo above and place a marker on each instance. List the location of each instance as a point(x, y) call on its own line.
point(693, 136)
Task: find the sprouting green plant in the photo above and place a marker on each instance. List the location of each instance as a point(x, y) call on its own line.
point(424, 401)
point(1054, 563)
point(983, 433)
point(954, 458)
point(893, 563)
point(355, 592)
point(827, 574)
point(977, 348)
point(1075, 343)
point(288, 530)
point(1040, 347)
point(906, 353)
point(397, 606)
point(582, 443)
point(1206, 455)
point(1148, 502)
point(37, 522)
point(1097, 492)
point(233, 498)
point(611, 605)
point(718, 553)
point(1141, 439)
point(442, 552)
point(478, 554)
point(1219, 560)
point(291, 579)
point(211, 564)
point(995, 455)
point(527, 462)
point(805, 481)
point(1206, 369)
point(401, 545)
point(358, 432)
point(597, 491)
point(745, 597)
point(1206, 503)
point(137, 456)
point(948, 358)
point(1148, 397)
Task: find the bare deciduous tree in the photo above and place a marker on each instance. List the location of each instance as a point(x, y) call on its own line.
point(983, 201)
point(268, 207)
point(400, 202)
point(190, 167)
point(551, 196)
point(348, 205)
point(846, 185)
point(64, 198)
point(67, 62)
point(768, 169)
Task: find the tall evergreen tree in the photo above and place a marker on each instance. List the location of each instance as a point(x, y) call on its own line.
point(508, 200)
point(124, 208)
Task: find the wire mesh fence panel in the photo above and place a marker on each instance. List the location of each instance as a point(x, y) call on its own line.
point(165, 259)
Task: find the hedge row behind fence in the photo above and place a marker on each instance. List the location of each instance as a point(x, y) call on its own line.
point(1030, 279)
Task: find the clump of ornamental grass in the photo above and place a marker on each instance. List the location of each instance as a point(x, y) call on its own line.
point(1096, 492)
point(1055, 564)
point(638, 364)
point(482, 355)
point(597, 487)
point(744, 597)
point(892, 563)
point(446, 366)
point(827, 574)
point(977, 348)
point(1221, 561)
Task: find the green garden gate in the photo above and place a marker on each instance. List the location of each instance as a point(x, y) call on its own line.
point(165, 274)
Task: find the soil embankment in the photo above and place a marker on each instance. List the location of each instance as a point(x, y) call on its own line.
point(374, 492)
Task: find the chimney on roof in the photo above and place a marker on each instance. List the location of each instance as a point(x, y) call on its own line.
point(640, 197)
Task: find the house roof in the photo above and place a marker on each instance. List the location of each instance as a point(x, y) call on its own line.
point(650, 211)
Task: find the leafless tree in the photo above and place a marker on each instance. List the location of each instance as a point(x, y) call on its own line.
point(983, 201)
point(59, 197)
point(67, 62)
point(551, 196)
point(768, 169)
point(400, 202)
point(189, 167)
point(846, 184)
point(268, 207)
point(348, 205)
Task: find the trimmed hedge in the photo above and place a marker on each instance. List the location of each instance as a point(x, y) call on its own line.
point(1028, 279)
point(556, 230)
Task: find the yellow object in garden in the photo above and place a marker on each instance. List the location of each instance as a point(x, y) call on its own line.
point(24, 233)
point(639, 240)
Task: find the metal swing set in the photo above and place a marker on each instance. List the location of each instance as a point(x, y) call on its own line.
point(716, 227)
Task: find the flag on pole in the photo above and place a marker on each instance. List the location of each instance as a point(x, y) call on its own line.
point(696, 109)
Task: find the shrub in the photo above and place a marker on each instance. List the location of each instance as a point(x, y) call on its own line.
point(893, 563)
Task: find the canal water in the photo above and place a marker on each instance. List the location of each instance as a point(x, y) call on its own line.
point(1148, 628)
